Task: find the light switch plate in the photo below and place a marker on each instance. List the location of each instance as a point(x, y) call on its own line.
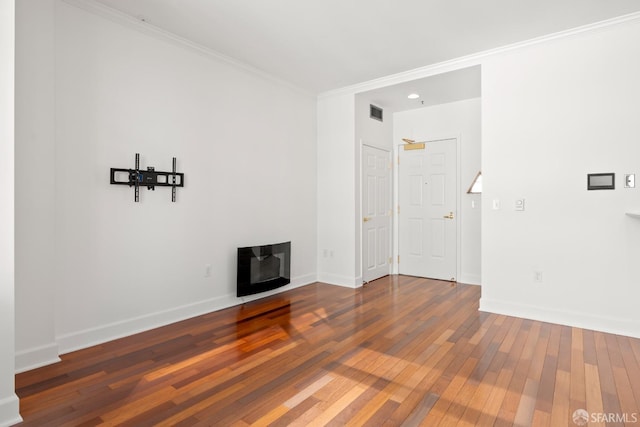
point(519, 205)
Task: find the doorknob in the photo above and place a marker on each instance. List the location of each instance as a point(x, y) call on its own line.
point(365, 219)
point(450, 216)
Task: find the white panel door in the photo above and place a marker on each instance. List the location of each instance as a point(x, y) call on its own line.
point(376, 212)
point(428, 210)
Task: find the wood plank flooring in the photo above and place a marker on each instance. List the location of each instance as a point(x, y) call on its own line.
point(400, 351)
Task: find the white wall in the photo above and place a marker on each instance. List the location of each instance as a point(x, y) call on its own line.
point(246, 144)
point(336, 197)
point(552, 113)
point(374, 133)
point(339, 174)
point(460, 120)
point(8, 399)
point(370, 131)
point(553, 110)
point(35, 184)
point(564, 107)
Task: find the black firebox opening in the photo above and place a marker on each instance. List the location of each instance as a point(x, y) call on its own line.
point(262, 268)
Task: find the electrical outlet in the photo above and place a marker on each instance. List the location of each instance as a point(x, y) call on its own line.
point(630, 180)
point(537, 276)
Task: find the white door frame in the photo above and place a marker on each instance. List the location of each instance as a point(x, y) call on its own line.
point(394, 202)
point(396, 198)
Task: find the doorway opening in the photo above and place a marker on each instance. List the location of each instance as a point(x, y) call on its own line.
point(448, 108)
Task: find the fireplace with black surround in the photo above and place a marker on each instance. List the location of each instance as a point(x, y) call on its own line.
point(262, 268)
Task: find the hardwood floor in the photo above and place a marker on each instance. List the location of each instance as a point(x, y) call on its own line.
point(400, 351)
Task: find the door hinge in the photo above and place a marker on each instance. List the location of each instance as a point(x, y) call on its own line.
point(398, 209)
point(398, 259)
point(390, 260)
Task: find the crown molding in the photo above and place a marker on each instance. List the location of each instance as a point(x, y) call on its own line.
point(114, 15)
point(477, 58)
point(111, 14)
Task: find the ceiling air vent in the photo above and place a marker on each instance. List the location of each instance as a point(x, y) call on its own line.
point(375, 112)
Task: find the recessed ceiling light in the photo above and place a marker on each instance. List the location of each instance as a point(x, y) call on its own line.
point(413, 96)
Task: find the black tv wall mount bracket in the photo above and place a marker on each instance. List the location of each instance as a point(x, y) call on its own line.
point(149, 178)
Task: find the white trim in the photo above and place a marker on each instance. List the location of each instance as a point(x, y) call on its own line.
point(9, 411)
point(361, 223)
point(36, 357)
point(295, 283)
point(338, 280)
point(470, 279)
point(359, 215)
point(629, 328)
point(395, 222)
point(9, 403)
point(476, 58)
point(385, 149)
point(100, 334)
point(128, 21)
point(459, 206)
point(357, 282)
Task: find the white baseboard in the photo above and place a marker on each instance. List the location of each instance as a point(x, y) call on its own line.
point(295, 283)
point(336, 279)
point(98, 335)
point(470, 279)
point(610, 325)
point(33, 358)
point(10, 411)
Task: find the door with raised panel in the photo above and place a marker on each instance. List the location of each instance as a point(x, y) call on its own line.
point(376, 212)
point(428, 210)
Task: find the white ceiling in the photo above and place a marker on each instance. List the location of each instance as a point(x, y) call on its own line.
point(439, 89)
point(328, 44)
